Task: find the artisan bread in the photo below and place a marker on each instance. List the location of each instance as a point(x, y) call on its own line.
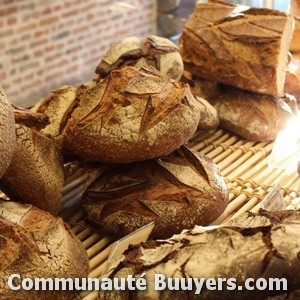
point(154, 51)
point(175, 192)
point(295, 44)
point(58, 106)
point(237, 45)
point(7, 132)
point(34, 244)
point(132, 115)
point(36, 173)
point(253, 116)
point(254, 246)
point(202, 89)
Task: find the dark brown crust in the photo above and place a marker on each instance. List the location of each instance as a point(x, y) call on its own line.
point(176, 192)
point(7, 132)
point(132, 115)
point(239, 49)
point(30, 119)
point(35, 244)
point(253, 116)
point(35, 174)
point(254, 246)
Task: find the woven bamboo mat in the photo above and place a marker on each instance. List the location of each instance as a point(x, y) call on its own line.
point(244, 165)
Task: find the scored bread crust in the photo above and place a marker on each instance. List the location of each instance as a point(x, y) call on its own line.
point(255, 117)
point(35, 244)
point(154, 51)
point(36, 173)
point(7, 132)
point(176, 192)
point(237, 45)
point(252, 246)
point(132, 115)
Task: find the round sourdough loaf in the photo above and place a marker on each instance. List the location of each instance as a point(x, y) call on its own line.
point(154, 51)
point(132, 115)
point(35, 244)
point(176, 192)
point(7, 132)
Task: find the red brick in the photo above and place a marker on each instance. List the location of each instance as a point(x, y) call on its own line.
point(12, 21)
point(27, 27)
point(38, 43)
point(82, 29)
point(40, 33)
point(25, 37)
point(38, 53)
point(47, 11)
point(70, 13)
point(8, 11)
point(6, 33)
point(49, 20)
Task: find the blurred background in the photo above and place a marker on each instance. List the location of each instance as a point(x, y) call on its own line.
point(47, 43)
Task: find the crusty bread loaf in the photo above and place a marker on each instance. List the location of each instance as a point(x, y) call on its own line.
point(201, 90)
point(58, 106)
point(237, 45)
point(208, 115)
point(254, 246)
point(154, 51)
point(131, 115)
point(295, 44)
point(253, 116)
point(34, 244)
point(176, 192)
point(36, 173)
point(292, 83)
point(7, 132)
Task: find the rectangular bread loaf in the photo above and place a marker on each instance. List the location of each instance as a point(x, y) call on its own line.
point(237, 45)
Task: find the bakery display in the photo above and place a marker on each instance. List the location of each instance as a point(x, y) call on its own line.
point(131, 115)
point(34, 244)
point(154, 51)
point(129, 130)
point(35, 174)
point(253, 246)
point(237, 45)
point(253, 116)
point(176, 191)
point(7, 132)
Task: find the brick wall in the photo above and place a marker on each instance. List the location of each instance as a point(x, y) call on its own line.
point(47, 43)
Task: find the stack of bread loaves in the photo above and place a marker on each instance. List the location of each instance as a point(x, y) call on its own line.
point(33, 243)
point(135, 117)
point(246, 49)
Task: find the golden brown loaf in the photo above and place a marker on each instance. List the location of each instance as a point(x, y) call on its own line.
point(237, 45)
point(36, 173)
point(35, 244)
point(295, 44)
point(253, 116)
point(131, 115)
point(7, 132)
point(176, 192)
point(208, 115)
point(257, 246)
point(154, 51)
